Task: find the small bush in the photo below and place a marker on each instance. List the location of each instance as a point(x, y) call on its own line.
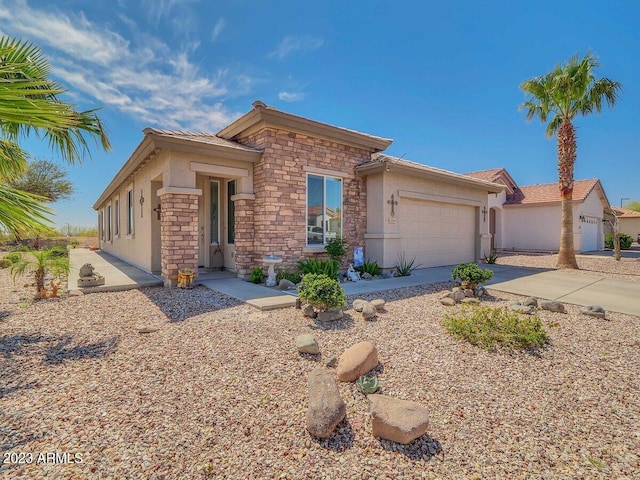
point(292, 276)
point(625, 241)
point(489, 328)
point(330, 268)
point(321, 292)
point(491, 258)
point(59, 251)
point(471, 274)
point(404, 267)
point(256, 275)
point(337, 249)
point(13, 257)
point(370, 267)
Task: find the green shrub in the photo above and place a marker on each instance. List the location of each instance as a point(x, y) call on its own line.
point(491, 258)
point(370, 267)
point(471, 274)
point(489, 328)
point(321, 292)
point(330, 268)
point(625, 241)
point(13, 257)
point(256, 275)
point(336, 248)
point(292, 276)
point(404, 267)
point(59, 251)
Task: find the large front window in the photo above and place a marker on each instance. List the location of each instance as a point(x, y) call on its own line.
point(324, 209)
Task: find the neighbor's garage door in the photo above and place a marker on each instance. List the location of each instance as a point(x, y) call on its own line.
point(437, 233)
point(589, 231)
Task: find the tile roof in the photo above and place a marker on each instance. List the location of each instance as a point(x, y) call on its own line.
point(549, 193)
point(625, 213)
point(200, 137)
point(490, 175)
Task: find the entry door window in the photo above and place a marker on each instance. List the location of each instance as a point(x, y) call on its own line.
point(215, 212)
point(231, 213)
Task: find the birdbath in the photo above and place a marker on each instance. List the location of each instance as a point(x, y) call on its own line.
point(271, 261)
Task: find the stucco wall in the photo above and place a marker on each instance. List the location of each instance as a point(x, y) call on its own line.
point(532, 228)
point(630, 226)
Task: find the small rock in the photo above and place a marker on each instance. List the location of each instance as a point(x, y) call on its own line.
point(552, 306)
point(329, 316)
point(357, 360)
point(378, 303)
point(470, 300)
point(307, 343)
point(76, 293)
point(593, 311)
point(358, 304)
point(366, 276)
point(309, 311)
point(530, 302)
point(331, 362)
point(286, 284)
point(148, 329)
point(458, 296)
point(469, 293)
point(480, 292)
point(526, 309)
point(368, 311)
point(326, 407)
point(446, 294)
point(400, 421)
point(449, 302)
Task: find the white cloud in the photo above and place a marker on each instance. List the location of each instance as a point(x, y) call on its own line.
point(290, 45)
point(290, 96)
point(144, 77)
point(217, 29)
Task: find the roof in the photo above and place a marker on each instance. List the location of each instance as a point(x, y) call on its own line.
point(201, 137)
point(262, 115)
point(550, 193)
point(625, 213)
point(496, 175)
point(380, 162)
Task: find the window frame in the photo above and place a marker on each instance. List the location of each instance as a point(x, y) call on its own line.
point(231, 213)
point(130, 212)
point(320, 246)
point(109, 223)
point(116, 222)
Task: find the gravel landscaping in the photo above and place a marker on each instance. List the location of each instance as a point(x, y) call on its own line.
point(220, 391)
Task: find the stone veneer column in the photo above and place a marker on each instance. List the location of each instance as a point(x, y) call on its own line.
point(245, 232)
point(178, 231)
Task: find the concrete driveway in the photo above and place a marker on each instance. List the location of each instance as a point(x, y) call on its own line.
point(569, 286)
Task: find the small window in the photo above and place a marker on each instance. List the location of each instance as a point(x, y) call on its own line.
point(231, 213)
point(101, 224)
point(324, 209)
point(130, 212)
point(109, 237)
point(116, 224)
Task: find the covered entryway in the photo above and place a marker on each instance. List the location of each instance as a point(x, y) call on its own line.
point(437, 233)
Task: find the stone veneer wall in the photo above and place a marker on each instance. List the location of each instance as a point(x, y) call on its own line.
point(280, 186)
point(245, 235)
point(179, 235)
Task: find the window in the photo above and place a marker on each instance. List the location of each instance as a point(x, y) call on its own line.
point(116, 225)
point(324, 209)
point(109, 238)
point(101, 224)
point(130, 212)
point(231, 213)
point(215, 202)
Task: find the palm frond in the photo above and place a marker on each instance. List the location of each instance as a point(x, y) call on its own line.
point(13, 160)
point(22, 212)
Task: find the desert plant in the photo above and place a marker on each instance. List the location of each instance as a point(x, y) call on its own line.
point(4, 263)
point(492, 257)
point(330, 268)
point(13, 257)
point(404, 267)
point(45, 261)
point(470, 274)
point(74, 244)
point(489, 328)
point(369, 266)
point(337, 249)
point(59, 251)
point(367, 384)
point(625, 241)
point(321, 292)
point(293, 276)
point(256, 275)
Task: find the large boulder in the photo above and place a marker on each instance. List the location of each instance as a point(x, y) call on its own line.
point(326, 407)
point(330, 315)
point(307, 343)
point(357, 360)
point(449, 302)
point(400, 421)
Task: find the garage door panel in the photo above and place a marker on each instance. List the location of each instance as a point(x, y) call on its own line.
point(437, 233)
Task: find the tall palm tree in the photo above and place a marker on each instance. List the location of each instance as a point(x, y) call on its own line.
point(30, 104)
point(559, 96)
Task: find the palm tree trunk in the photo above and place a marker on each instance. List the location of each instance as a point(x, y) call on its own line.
point(566, 161)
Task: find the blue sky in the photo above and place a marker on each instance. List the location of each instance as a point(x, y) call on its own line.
point(440, 78)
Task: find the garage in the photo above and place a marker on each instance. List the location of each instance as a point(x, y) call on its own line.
point(437, 233)
point(590, 233)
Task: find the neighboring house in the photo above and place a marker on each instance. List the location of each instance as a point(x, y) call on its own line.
point(529, 217)
point(629, 222)
point(276, 183)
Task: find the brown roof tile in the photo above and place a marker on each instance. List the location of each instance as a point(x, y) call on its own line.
point(625, 213)
point(201, 137)
point(549, 192)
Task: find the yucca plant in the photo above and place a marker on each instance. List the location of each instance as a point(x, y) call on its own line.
point(371, 267)
point(330, 268)
point(45, 261)
point(404, 267)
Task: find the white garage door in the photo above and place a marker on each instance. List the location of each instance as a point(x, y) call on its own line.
point(589, 231)
point(437, 233)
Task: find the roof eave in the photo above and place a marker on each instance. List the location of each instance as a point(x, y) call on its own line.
point(204, 148)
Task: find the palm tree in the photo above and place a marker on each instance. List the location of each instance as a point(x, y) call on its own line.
point(30, 104)
point(559, 96)
point(44, 261)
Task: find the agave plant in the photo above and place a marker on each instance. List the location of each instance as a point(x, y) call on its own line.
point(367, 384)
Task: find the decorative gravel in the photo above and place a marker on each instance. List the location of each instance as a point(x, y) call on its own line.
point(219, 391)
